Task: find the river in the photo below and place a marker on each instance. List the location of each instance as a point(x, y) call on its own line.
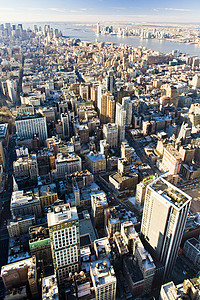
point(86, 33)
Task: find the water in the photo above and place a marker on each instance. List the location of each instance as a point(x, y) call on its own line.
point(86, 33)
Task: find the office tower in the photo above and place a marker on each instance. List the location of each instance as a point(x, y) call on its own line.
point(110, 134)
point(165, 213)
point(107, 107)
point(120, 119)
point(110, 82)
point(65, 124)
point(28, 125)
point(101, 101)
point(128, 106)
point(94, 93)
point(98, 28)
point(110, 108)
point(63, 226)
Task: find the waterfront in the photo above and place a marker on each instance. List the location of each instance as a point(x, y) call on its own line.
point(87, 33)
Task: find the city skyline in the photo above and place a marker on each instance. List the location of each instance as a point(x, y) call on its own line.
point(92, 11)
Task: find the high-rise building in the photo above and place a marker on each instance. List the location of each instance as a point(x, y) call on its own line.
point(172, 160)
point(110, 82)
point(65, 124)
point(98, 28)
point(126, 151)
point(128, 106)
point(110, 134)
point(28, 125)
point(165, 213)
point(63, 226)
point(98, 203)
point(120, 119)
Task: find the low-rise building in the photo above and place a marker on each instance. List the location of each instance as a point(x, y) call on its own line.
point(191, 250)
point(20, 225)
point(25, 203)
point(96, 162)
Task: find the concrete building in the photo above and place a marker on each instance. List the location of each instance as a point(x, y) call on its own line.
point(68, 164)
point(191, 250)
point(120, 120)
point(47, 195)
point(164, 217)
point(19, 226)
point(103, 279)
point(27, 126)
point(143, 259)
point(172, 160)
point(63, 226)
point(96, 162)
point(12, 89)
point(126, 151)
point(102, 248)
point(24, 203)
point(40, 244)
point(110, 134)
point(98, 203)
point(19, 274)
point(128, 106)
point(189, 289)
point(65, 124)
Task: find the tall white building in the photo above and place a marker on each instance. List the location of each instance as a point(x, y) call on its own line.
point(110, 134)
point(128, 106)
point(165, 213)
point(120, 120)
point(63, 226)
point(98, 28)
point(27, 125)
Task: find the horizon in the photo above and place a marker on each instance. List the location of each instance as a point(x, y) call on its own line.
point(100, 11)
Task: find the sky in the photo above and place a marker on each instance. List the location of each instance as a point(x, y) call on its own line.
point(88, 11)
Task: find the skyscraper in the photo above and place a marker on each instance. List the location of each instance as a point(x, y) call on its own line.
point(120, 119)
point(98, 28)
point(165, 213)
point(63, 226)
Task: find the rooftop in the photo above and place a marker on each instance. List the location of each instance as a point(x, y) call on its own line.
point(62, 214)
point(17, 265)
point(28, 117)
point(99, 198)
point(22, 198)
point(50, 288)
point(102, 272)
point(95, 156)
point(102, 247)
point(170, 192)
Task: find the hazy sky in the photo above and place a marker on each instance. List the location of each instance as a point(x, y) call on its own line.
point(100, 10)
